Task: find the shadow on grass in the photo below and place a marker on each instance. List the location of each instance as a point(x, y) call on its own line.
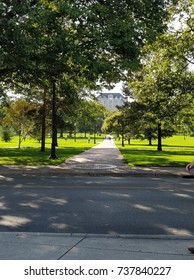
point(154, 146)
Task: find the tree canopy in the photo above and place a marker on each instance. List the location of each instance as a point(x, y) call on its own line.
point(64, 47)
point(164, 84)
point(94, 39)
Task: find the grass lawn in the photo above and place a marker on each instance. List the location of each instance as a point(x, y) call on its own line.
point(30, 154)
point(177, 152)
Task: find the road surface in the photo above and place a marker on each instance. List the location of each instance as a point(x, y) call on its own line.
point(109, 205)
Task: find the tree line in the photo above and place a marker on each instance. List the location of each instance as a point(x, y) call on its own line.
point(24, 118)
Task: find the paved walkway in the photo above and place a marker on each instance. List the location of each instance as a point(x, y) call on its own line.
point(44, 246)
point(104, 159)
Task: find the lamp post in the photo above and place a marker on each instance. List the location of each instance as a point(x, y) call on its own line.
point(54, 130)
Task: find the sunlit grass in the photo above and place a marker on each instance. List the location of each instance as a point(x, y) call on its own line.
point(30, 153)
point(176, 151)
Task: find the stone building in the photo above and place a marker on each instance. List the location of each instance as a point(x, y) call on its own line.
point(111, 100)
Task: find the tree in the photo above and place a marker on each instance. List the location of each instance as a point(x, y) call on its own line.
point(115, 123)
point(6, 133)
point(90, 116)
point(182, 47)
point(138, 121)
point(17, 44)
point(20, 116)
point(162, 84)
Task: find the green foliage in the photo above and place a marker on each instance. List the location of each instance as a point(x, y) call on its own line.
point(164, 85)
point(90, 115)
point(6, 133)
point(20, 116)
point(112, 124)
point(94, 39)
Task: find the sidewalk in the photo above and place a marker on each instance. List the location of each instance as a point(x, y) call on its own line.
point(101, 160)
point(104, 159)
point(43, 246)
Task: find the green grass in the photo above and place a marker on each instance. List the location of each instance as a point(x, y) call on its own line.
point(177, 152)
point(30, 153)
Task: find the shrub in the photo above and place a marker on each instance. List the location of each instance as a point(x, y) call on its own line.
point(6, 134)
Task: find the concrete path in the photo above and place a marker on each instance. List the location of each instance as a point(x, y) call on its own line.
point(43, 246)
point(103, 158)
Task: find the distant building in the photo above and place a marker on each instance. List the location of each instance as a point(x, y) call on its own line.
point(111, 100)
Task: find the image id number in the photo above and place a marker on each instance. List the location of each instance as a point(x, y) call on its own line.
point(132, 270)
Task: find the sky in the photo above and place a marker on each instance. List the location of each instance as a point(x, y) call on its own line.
point(116, 89)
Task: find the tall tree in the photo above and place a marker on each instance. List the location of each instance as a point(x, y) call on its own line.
point(162, 84)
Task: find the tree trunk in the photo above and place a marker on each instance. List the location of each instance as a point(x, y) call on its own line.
point(94, 136)
point(43, 137)
point(53, 145)
point(122, 134)
point(56, 140)
point(20, 141)
point(123, 140)
point(159, 137)
point(61, 133)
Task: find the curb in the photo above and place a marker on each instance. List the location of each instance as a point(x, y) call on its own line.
point(94, 235)
point(76, 169)
point(81, 172)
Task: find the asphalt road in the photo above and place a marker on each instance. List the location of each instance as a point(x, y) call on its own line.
point(123, 205)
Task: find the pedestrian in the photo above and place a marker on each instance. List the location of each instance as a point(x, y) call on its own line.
point(88, 139)
point(189, 168)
